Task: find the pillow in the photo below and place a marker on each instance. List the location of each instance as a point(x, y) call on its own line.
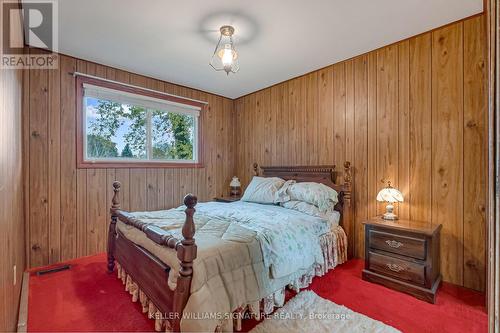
point(263, 190)
point(319, 195)
point(303, 207)
point(332, 216)
point(282, 194)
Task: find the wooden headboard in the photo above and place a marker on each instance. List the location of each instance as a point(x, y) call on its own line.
point(324, 174)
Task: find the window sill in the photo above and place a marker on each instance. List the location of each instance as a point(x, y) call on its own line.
point(130, 165)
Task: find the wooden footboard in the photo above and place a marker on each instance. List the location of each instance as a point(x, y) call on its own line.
point(146, 269)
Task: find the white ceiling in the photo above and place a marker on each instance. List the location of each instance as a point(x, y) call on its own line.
point(276, 39)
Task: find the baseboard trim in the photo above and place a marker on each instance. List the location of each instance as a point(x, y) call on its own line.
point(22, 319)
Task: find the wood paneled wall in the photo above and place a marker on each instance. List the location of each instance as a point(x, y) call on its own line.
point(413, 113)
point(68, 207)
point(12, 246)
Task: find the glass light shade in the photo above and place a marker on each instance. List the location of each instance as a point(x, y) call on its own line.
point(225, 57)
point(389, 194)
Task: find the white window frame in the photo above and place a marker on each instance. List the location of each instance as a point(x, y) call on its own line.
point(150, 104)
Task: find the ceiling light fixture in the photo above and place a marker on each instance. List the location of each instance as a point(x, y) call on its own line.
point(225, 57)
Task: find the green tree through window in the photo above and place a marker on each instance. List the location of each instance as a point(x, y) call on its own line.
point(127, 152)
point(112, 126)
point(172, 136)
point(98, 146)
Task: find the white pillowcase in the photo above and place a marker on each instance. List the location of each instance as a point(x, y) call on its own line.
point(332, 216)
point(282, 194)
point(317, 194)
point(263, 190)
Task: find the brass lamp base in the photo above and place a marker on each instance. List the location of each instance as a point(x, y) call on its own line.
point(235, 191)
point(389, 215)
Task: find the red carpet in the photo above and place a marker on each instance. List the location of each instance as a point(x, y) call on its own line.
point(86, 298)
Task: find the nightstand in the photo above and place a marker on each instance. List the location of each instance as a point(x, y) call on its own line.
point(403, 255)
point(227, 199)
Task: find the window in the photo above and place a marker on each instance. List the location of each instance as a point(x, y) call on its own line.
point(124, 126)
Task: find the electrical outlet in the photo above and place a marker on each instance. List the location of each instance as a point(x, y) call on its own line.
point(15, 274)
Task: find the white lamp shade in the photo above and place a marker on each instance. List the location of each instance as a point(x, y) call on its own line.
point(235, 182)
point(389, 194)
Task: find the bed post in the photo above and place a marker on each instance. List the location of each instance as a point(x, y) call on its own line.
point(186, 253)
point(115, 205)
point(347, 215)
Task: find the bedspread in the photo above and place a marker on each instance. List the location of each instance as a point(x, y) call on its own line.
point(246, 252)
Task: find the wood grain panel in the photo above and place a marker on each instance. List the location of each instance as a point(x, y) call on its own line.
point(349, 114)
point(68, 207)
point(404, 126)
point(209, 150)
point(12, 218)
point(326, 152)
point(373, 184)
point(54, 166)
point(309, 142)
point(412, 113)
point(475, 137)
point(447, 145)
point(81, 217)
point(294, 153)
point(420, 128)
point(68, 159)
point(96, 208)
point(25, 161)
point(38, 178)
point(339, 111)
point(229, 142)
point(275, 114)
point(285, 105)
point(360, 151)
point(268, 126)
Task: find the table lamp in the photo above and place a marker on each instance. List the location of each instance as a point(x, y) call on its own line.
point(235, 186)
point(391, 195)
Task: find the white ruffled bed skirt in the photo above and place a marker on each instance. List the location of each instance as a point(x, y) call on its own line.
point(333, 245)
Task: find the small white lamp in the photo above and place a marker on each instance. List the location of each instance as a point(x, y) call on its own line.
point(391, 195)
point(235, 186)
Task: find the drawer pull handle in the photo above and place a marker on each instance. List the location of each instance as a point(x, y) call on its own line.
point(394, 244)
point(395, 268)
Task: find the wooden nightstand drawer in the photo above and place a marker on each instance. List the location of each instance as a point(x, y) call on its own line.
point(400, 269)
point(402, 245)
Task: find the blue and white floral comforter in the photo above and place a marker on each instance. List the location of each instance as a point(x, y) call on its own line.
point(246, 252)
point(288, 238)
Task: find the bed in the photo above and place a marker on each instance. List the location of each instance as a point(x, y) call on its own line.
point(183, 288)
